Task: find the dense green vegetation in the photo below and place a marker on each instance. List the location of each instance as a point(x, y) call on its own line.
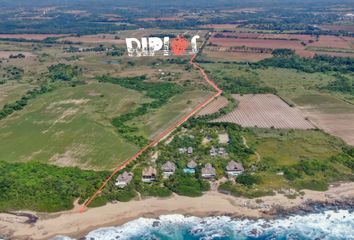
point(248, 180)
point(187, 185)
point(63, 72)
point(43, 187)
point(310, 65)
point(283, 52)
point(160, 92)
point(240, 84)
point(62, 23)
point(12, 73)
point(341, 84)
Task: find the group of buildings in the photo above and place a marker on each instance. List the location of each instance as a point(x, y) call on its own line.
point(213, 152)
point(208, 171)
point(149, 173)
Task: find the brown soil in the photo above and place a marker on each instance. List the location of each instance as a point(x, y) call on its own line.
point(265, 111)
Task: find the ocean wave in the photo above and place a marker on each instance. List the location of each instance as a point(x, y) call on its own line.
point(329, 225)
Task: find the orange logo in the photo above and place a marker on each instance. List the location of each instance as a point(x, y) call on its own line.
point(179, 45)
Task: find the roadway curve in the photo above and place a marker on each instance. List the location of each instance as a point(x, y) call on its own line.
point(162, 135)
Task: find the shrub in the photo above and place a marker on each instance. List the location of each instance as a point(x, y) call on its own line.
point(63, 72)
point(248, 180)
point(187, 185)
point(312, 184)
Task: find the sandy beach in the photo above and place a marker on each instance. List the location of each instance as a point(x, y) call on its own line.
point(75, 224)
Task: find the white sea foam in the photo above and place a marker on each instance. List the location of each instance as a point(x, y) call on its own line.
point(325, 225)
point(61, 238)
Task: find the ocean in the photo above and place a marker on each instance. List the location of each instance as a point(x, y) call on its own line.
point(325, 224)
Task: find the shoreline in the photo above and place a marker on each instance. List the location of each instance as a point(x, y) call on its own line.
point(74, 224)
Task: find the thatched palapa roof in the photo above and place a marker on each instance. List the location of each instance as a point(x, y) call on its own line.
point(149, 171)
point(125, 177)
point(208, 169)
point(192, 164)
point(168, 167)
point(234, 166)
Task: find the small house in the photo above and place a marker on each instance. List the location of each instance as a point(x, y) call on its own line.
point(190, 150)
point(208, 171)
point(124, 179)
point(234, 168)
point(182, 150)
point(190, 167)
point(168, 169)
point(213, 152)
point(217, 151)
point(221, 151)
point(149, 174)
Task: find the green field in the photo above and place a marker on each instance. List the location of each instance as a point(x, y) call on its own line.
point(71, 127)
point(12, 91)
point(290, 84)
point(287, 147)
point(293, 85)
point(312, 155)
point(178, 106)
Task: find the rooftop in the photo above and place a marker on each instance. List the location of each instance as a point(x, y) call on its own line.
point(208, 169)
point(125, 177)
point(149, 171)
point(168, 167)
point(192, 164)
point(234, 166)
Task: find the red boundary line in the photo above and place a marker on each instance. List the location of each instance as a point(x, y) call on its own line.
point(160, 136)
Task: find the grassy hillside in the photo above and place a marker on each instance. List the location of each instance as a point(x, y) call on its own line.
point(156, 121)
point(287, 147)
point(71, 127)
point(10, 92)
point(288, 83)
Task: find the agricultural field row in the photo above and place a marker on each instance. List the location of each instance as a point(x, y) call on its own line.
point(256, 46)
point(265, 111)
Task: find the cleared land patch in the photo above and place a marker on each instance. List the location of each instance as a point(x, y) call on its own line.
point(7, 54)
point(220, 26)
point(349, 28)
point(265, 111)
point(221, 54)
point(262, 43)
point(214, 106)
point(340, 125)
point(303, 45)
point(101, 38)
point(160, 19)
point(30, 36)
point(330, 114)
point(332, 42)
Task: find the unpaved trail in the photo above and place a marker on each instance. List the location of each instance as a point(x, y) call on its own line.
point(163, 134)
point(244, 141)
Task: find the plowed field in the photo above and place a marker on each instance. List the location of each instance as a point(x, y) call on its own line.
point(265, 111)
